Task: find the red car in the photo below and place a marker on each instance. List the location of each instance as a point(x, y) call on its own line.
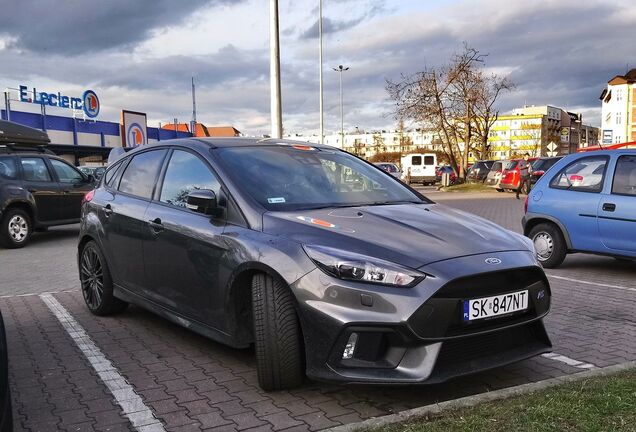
point(510, 178)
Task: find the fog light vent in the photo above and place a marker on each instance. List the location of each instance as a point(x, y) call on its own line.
point(350, 348)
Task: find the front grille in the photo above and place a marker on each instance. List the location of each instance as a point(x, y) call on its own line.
point(442, 315)
point(488, 284)
point(474, 353)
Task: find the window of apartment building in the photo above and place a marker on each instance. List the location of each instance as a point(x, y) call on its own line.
point(619, 95)
point(619, 118)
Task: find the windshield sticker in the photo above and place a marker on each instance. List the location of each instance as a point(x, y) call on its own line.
point(277, 200)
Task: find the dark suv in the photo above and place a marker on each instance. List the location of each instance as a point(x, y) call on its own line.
point(330, 266)
point(37, 189)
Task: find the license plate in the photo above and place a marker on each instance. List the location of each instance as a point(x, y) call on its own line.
point(503, 304)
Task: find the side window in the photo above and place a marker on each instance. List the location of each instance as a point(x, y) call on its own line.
point(35, 169)
point(8, 168)
point(625, 176)
point(113, 172)
point(584, 175)
point(186, 173)
point(429, 160)
point(140, 175)
point(416, 160)
point(65, 172)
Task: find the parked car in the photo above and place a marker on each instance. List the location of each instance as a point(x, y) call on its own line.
point(511, 176)
point(479, 171)
point(390, 168)
point(540, 166)
point(493, 179)
point(376, 284)
point(37, 189)
point(96, 172)
point(585, 203)
point(446, 170)
point(419, 168)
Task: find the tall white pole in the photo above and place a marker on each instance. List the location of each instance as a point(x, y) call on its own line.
point(341, 110)
point(274, 72)
point(322, 114)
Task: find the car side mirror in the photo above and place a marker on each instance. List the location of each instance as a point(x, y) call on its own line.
point(202, 201)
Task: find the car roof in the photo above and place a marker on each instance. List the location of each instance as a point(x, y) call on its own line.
point(609, 152)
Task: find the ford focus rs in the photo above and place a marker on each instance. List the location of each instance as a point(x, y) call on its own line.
point(328, 266)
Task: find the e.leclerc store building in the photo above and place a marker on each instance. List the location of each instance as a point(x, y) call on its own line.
point(73, 126)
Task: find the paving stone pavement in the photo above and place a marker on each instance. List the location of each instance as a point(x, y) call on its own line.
point(191, 383)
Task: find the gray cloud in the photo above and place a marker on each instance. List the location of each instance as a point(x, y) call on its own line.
point(75, 27)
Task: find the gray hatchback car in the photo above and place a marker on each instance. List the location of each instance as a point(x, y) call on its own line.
point(329, 266)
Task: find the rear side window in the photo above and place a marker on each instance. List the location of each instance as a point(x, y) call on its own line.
point(185, 173)
point(35, 170)
point(65, 172)
point(429, 160)
point(8, 168)
point(416, 160)
point(625, 176)
point(140, 176)
point(583, 175)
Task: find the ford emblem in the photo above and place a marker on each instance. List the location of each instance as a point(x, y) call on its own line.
point(492, 261)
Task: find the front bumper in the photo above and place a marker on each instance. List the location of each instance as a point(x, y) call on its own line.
point(417, 335)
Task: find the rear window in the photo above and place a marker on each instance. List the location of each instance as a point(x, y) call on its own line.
point(496, 166)
point(416, 160)
point(429, 160)
point(8, 168)
point(512, 165)
point(584, 175)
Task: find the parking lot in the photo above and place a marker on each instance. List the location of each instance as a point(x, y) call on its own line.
point(191, 383)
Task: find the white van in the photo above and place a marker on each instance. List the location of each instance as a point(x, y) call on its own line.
point(419, 167)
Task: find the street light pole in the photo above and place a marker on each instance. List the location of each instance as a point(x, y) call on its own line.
point(274, 72)
point(322, 116)
point(341, 69)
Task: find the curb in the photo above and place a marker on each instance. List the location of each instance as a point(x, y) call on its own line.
point(470, 401)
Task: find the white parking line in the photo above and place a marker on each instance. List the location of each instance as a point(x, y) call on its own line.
point(592, 283)
point(131, 404)
point(568, 361)
point(37, 294)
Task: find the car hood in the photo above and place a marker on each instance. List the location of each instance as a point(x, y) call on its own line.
point(413, 235)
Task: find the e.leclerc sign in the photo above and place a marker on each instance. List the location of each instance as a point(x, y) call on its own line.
point(89, 102)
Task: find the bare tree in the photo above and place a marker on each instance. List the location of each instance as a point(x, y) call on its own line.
point(450, 99)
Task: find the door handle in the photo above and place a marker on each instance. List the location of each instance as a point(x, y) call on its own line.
point(108, 210)
point(609, 207)
point(155, 225)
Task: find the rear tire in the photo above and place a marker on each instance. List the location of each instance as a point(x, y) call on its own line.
point(277, 335)
point(97, 283)
point(500, 190)
point(549, 243)
point(16, 229)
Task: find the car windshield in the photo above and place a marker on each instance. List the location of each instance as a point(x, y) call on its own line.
point(282, 178)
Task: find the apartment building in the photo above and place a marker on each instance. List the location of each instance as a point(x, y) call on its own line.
point(618, 112)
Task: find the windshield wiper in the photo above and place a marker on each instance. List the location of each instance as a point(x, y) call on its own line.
point(381, 203)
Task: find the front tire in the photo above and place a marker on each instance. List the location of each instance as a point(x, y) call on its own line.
point(97, 283)
point(549, 244)
point(277, 335)
point(16, 229)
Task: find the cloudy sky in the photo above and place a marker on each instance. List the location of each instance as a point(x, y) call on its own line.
point(140, 55)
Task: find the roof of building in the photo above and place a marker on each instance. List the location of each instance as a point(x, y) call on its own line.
point(628, 78)
point(202, 130)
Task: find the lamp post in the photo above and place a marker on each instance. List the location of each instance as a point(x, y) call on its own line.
point(322, 116)
point(341, 69)
point(274, 72)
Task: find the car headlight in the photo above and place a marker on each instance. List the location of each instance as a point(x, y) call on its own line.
point(352, 266)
